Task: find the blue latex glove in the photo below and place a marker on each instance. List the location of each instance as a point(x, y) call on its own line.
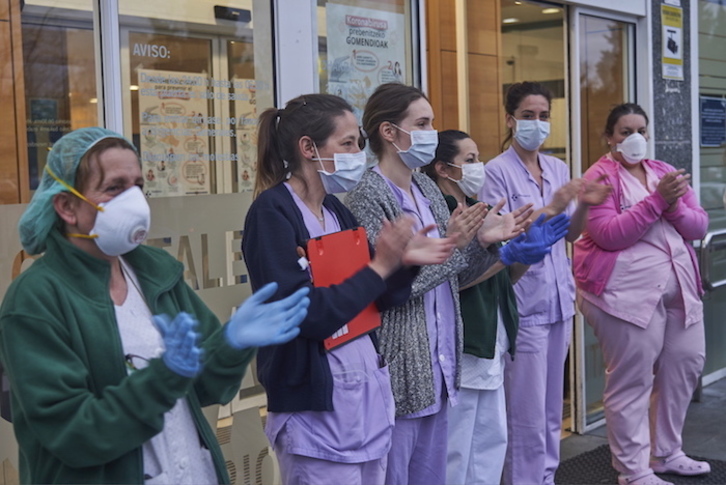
point(521, 250)
point(182, 355)
point(548, 232)
point(258, 324)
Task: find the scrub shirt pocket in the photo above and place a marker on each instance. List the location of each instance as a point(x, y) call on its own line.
point(532, 289)
point(344, 427)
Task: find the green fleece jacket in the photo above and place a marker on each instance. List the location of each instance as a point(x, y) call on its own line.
point(79, 417)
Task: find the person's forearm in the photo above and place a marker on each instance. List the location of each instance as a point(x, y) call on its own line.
point(578, 221)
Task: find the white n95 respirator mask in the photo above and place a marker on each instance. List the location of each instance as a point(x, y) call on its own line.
point(123, 223)
point(633, 148)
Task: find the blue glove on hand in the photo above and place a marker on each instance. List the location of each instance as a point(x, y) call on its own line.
point(548, 232)
point(258, 324)
point(521, 250)
point(182, 355)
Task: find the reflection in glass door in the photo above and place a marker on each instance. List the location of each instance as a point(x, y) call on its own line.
point(605, 73)
point(605, 62)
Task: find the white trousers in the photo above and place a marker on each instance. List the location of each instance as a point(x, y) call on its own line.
point(477, 438)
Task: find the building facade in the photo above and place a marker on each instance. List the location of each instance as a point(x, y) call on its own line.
point(185, 80)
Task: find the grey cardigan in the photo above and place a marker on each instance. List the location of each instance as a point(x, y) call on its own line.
point(403, 336)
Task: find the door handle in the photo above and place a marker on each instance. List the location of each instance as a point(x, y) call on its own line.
point(711, 243)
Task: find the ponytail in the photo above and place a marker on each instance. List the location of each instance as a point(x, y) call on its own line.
point(280, 130)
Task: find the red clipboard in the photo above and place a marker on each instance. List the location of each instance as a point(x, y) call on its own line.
point(334, 258)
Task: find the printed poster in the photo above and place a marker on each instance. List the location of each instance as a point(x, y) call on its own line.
point(174, 122)
point(245, 106)
point(672, 19)
point(366, 48)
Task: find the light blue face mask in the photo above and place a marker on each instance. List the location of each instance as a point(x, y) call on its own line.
point(349, 168)
point(530, 134)
point(422, 150)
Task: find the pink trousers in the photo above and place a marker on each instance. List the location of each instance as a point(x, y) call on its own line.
point(650, 372)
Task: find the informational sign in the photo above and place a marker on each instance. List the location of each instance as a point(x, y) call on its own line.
point(173, 111)
point(672, 19)
point(366, 48)
point(245, 106)
point(713, 121)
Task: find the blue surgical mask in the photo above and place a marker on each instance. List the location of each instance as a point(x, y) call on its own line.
point(530, 134)
point(349, 168)
point(422, 150)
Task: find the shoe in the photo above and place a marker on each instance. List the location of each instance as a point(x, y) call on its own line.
point(680, 464)
point(645, 478)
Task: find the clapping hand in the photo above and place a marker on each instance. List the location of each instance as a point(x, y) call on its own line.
point(592, 192)
point(465, 222)
point(423, 250)
point(674, 185)
point(549, 232)
point(183, 354)
point(497, 228)
point(258, 324)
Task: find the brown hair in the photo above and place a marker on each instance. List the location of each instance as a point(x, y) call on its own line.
point(389, 102)
point(279, 130)
point(83, 173)
point(446, 151)
point(619, 111)
point(516, 94)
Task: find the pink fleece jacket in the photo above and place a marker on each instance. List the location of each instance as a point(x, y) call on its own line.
point(610, 230)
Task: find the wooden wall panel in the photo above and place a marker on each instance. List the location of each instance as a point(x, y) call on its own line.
point(485, 117)
point(448, 116)
point(483, 27)
point(20, 112)
point(445, 17)
point(433, 55)
point(9, 182)
point(4, 10)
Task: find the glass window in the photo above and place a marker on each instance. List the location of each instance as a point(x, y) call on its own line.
point(196, 76)
point(59, 74)
point(712, 110)
point(363, 45)
point(533, 49)
point(712, 115)
point(605, 70)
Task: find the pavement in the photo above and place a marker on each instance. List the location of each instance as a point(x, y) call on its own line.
point(704, 434)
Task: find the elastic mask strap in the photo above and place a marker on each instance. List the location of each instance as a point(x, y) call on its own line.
point(80, 196)
point(71, 189)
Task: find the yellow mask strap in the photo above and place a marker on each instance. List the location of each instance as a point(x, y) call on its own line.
point(74, 192)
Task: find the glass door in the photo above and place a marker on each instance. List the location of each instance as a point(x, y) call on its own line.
point(602, 75)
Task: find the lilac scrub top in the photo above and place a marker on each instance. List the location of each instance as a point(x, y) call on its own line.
point(641, 271)
point(438, 305)
point(546, 292)
point(361, 425)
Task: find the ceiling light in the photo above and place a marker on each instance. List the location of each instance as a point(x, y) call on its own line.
point(93, 100)
point(134, 87)
point(548, 11)
point(510, 20)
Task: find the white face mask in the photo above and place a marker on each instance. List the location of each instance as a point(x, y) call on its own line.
point(422, 150)
point(633, 148)
point(472, 177)
point(530, 134)
point(123, 224)
point(349, 168)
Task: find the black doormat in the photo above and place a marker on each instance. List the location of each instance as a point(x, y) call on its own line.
point(593, 467)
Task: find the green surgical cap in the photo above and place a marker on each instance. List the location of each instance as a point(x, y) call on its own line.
point(40, 217)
